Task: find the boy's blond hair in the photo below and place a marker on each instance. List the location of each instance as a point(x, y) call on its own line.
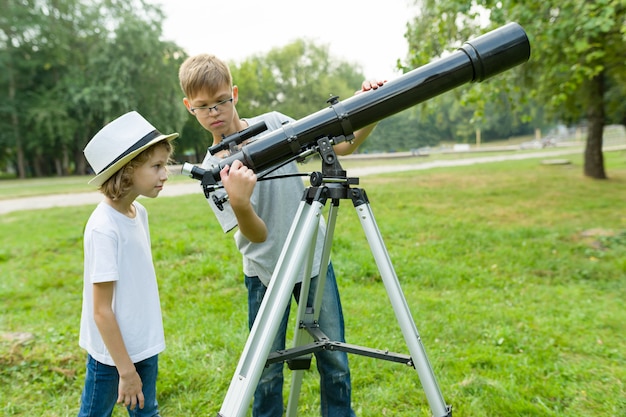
point(203, 73)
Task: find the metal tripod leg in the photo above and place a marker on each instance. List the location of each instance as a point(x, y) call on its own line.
point(298, 245)
point(307, 316)
point(400, 307)
point(310, 314)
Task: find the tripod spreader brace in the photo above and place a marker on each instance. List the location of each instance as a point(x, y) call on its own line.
point(295, 356)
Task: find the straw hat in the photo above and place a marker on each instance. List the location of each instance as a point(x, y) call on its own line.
point(118, 143)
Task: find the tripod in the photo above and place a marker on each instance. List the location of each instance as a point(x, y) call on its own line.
point(298, 251)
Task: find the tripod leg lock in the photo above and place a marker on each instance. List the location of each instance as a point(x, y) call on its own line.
point(358, 197)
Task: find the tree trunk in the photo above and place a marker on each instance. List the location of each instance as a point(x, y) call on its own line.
point(81, 163)
point(15, 126)
point(594, 159)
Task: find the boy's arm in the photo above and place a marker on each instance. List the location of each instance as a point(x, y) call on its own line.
point(239, 182)
point(129, 391)
point(346, 148)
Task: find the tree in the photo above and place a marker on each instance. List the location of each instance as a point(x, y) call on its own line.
point(296, 79)
point(577, 52)
point(17, 38)
point(192, 144)
point(73, 66)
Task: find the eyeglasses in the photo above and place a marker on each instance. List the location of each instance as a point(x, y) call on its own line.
point(206, 110)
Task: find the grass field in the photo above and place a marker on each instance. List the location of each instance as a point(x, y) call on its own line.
point(515, 274)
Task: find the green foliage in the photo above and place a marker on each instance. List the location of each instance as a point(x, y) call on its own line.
point(73, 66)
point(576, 59)
point(295, 79)
point(192, 144)
point(513, 271)
point(564, 53)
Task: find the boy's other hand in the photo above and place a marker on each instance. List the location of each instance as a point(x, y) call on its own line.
point(129, 391)
point(370, 85)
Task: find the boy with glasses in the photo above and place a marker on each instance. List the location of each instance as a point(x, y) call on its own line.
point(263, 212)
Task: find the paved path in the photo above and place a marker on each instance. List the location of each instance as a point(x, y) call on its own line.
point(181, 188)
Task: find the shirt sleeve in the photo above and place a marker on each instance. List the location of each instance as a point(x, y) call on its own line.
point(103, 266)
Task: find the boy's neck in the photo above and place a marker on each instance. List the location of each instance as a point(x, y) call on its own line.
point(123, 205)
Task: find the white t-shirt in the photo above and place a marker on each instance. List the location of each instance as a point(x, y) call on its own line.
point(276, 202)
point(117, 248)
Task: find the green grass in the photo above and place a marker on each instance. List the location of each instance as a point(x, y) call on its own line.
point(515, 274)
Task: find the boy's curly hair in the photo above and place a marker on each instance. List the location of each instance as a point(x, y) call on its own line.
point(120, 183)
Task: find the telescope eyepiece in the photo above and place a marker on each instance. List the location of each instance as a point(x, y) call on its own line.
point(192, 171)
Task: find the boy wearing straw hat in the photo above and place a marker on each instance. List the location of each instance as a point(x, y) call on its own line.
point(121, 324)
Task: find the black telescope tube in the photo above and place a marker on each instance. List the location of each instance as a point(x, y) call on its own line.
point(476, 61)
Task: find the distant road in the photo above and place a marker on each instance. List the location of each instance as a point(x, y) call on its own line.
point(192, 187)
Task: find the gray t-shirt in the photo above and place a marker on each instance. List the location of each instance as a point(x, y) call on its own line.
point(276, 202)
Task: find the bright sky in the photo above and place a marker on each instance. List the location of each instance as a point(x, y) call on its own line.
point(367, 33)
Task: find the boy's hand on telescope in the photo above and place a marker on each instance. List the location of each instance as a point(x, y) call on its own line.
point(370, 85)
point(348, 147)
point(238, 181)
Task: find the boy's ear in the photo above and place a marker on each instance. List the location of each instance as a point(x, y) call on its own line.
point(235, 94)
point(187, 104)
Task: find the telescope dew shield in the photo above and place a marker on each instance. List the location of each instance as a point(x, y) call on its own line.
point(476, 61)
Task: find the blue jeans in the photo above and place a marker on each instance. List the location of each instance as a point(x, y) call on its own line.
point(100, 392)
point(335, 387)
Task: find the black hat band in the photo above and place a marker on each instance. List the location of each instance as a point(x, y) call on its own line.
point(141, 142)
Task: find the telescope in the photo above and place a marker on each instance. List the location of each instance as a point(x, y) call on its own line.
point(231, 141)
point(475, 61)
